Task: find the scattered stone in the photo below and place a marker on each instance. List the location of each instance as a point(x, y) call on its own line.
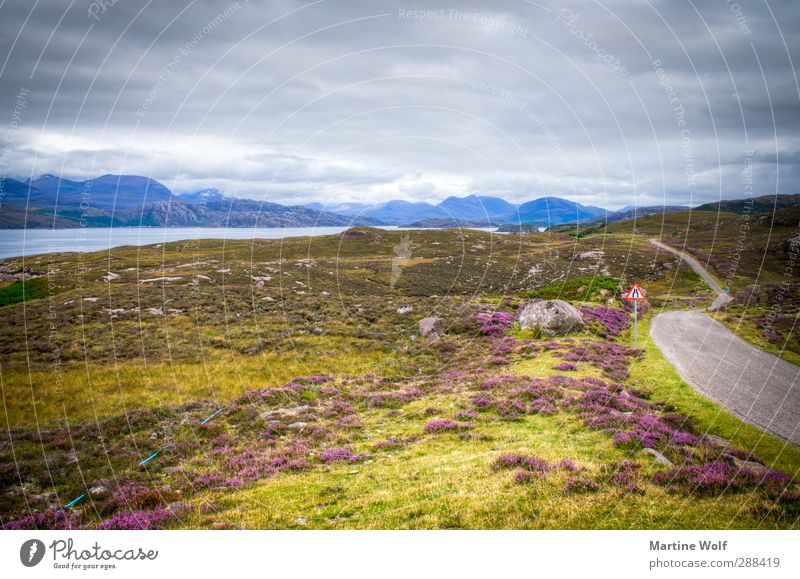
point(115, 312)
point(551, 317)
point(297, 425)
point(405, 310)
point(301, 521)
point(110, 277)
point(431, 328)
point(750, 465)
point(718, 441)
point(155, 311)
point(597, 254)
point(98, 491)
point(155, 279)
point(92, 300)
point(659, 458)
point(285, 412)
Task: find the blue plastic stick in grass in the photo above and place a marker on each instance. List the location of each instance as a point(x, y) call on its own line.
point(212, 416)
point(69, 504)
point(148, 459)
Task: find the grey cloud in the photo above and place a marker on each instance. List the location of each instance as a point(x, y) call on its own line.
point(356, 99)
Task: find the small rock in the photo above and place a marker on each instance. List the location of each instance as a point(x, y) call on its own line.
point(98, 491)
point(660, 458)
point(297, 425)
point(591, 254)
point(285, 412)
point(718, 441)
point(750, 465)
point(110, 277)
point(301, 521)
point(431, 328)
point(405, 310)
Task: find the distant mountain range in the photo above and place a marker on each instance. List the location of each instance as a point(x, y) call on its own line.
point(470, 210)
point(130, 200)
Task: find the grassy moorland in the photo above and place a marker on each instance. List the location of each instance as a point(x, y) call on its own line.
point(282, 385)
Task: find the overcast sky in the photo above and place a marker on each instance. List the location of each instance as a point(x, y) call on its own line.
point(606, 103)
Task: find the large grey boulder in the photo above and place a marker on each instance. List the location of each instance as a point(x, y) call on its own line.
point(551, 317)
point(431, 328)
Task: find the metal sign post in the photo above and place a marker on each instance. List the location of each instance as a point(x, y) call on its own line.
point(635, 295)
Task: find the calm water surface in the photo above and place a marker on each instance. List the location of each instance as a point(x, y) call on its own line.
point(15, 242)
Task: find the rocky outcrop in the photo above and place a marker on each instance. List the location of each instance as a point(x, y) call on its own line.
point(551, 317)
point(431, 328)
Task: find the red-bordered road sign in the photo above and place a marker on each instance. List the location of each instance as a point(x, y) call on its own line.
point(635, 294)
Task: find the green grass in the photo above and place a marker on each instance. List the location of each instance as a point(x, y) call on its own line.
point(577, 288)
point(24, 290)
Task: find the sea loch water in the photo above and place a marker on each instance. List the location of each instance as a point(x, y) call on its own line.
point(17, 242)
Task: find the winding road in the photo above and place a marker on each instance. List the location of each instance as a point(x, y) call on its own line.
point(758, 387)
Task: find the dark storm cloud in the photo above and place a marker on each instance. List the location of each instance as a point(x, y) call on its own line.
point(291, 101)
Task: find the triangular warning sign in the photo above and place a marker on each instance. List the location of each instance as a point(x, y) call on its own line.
point(635, 294)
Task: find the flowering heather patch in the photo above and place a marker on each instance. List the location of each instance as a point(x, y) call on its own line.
point(317, 379)
point(499, 361)
point(466, 415)
point(494, 324)
point(395, 442)
point(717, 477)
point(350, 422)
point(624, 475)
point(482, 401)
point(445, 425)
point(612, 359)
point(577, 484)
point(566, 367)
point(134, 495)
point(544, 405)
point(338, 407)
point(340, 454)
point(521, 461)
point(613, 321)
point(50, 519)
point(137, 520)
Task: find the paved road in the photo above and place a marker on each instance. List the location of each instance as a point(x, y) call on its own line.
point(758, 387)
point(722, 297)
